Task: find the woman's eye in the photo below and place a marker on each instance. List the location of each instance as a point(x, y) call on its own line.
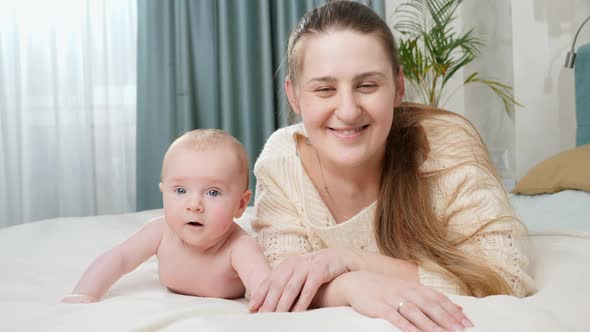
point(367, 87)
point(213, 193)
point(180, 191)
point(325, 90)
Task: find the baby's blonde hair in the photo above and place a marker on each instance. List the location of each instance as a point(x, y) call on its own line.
point(206, 139)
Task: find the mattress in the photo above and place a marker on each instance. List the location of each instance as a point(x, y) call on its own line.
point(40, 262)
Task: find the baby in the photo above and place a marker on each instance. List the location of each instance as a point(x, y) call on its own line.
point(200, 250)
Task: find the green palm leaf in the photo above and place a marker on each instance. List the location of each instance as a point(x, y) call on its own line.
point(432, 52)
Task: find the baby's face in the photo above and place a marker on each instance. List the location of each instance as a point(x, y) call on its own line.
point(203, 191)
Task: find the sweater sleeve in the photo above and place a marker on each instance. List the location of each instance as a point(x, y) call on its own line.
point(277, 222)
point(469, 197)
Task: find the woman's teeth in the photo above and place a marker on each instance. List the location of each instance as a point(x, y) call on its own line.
point(348, 132)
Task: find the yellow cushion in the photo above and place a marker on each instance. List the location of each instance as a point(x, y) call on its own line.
point(566, 170)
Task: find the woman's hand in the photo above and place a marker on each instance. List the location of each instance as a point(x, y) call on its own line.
point(298, 278)
point(79, 298)
point(408, 305)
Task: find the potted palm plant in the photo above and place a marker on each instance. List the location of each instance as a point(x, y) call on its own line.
point(432, 52)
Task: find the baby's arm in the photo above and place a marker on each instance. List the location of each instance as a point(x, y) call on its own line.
point(249, 262)
point(113, 264)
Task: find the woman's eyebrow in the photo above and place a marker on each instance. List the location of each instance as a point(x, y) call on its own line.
point(327, 79)
point(369, 74)
point(331, 79)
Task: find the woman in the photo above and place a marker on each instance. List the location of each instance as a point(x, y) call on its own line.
point(370, 203)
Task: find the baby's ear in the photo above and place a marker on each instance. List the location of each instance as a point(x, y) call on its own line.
point(161, 187)
point(243, 202)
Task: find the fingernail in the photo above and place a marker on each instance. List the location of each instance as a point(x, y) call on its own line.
point(466, 323)
point(457, 327)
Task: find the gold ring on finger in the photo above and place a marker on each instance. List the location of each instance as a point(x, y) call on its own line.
point(399, 306)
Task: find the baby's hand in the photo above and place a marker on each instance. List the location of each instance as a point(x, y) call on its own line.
point(79, 298)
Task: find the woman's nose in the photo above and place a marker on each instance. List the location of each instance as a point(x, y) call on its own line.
point(348, 108)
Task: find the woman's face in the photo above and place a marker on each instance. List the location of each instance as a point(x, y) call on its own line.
point(345, 93)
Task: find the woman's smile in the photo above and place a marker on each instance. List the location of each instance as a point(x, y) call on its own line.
point(348, 132)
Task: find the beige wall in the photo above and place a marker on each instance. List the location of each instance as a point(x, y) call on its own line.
point(542, 33)
point(526, 42)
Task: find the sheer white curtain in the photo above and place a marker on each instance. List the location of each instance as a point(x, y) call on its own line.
point(67, 108)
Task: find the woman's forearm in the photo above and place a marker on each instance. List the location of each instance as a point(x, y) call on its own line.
point(361, 260)
point(334, 293)
point(331, 294)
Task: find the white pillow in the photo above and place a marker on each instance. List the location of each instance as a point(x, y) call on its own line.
point(565, 212)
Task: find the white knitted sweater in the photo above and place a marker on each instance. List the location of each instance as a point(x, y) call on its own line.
point(291, 217)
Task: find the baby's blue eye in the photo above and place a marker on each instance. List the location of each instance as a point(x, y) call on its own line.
point(180, 191)
point(213, 193)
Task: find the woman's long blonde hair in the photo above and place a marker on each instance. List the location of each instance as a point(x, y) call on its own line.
point(406, 226)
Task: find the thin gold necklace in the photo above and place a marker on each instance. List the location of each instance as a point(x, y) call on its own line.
point(308, 142)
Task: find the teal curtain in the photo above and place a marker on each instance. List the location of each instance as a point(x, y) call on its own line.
point(210, 64)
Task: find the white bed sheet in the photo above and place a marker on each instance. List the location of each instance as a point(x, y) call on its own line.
point(40, 262)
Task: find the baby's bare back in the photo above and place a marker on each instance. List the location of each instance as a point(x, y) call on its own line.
point(186, 271)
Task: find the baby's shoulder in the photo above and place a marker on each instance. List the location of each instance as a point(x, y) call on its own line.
point(153, 228)
point(240, 241)
point(158, 221)
point(157, 225)
point(240, 237)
